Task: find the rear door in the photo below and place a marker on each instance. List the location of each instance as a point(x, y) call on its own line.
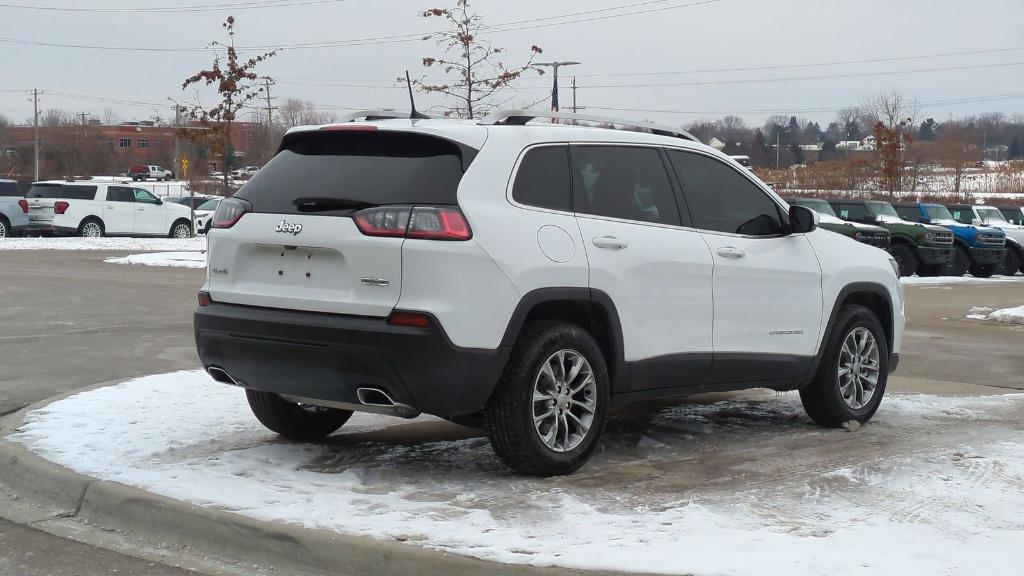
point(300, 248)
point(767, 284)
point(119, 210)
point(657, 272)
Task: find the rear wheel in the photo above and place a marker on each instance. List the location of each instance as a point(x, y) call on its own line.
point(905, 258)
point(959, 263)
point(181, 229)
point(91, 228)
point(928, 270)
point(295, 421)
point(5, 229)
point(549, 408)
point(853, 372)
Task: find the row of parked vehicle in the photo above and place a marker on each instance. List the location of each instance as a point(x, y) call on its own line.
point(93, 209)
point(931, 239)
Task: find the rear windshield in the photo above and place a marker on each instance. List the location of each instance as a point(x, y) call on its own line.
point(62, 191)
point(9, 189)
point(358, 168)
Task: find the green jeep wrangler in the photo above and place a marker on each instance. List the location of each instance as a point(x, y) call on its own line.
point(913, 244)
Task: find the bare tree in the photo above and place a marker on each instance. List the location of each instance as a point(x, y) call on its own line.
point(295, 112)
point(55, 117)
point(892, 107)
point(957, 148)
point(478, 75)
point(236, 84)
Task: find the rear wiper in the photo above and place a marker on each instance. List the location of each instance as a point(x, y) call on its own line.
point(312, 204)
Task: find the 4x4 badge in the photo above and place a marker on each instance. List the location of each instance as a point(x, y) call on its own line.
point(287, 228)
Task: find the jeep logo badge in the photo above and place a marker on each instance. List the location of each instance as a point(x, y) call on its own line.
point(287, 228)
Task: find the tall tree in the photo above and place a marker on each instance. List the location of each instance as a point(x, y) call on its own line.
point(926, 132)
point(237, 86)
point(478, 74)
point(1015, 151)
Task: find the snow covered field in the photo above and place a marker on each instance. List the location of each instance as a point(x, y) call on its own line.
point(174, 259)
point(746, 486)
point(135, 244)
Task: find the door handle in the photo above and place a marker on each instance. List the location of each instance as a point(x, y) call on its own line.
point(610, 242)
point(141, 209)
point(730, 252)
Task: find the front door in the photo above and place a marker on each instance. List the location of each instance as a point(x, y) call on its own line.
point(767, 284)
point(657, 273)
point(119, 210)
point(150, 214)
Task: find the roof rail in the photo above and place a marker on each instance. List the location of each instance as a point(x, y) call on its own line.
point(371, 115)
point(521, 117)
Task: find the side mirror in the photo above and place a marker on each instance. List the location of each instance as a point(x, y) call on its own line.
point(977, 222)
point(802, 220)
point(159, 202)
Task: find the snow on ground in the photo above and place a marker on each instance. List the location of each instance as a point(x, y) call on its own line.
point(1005, 315)
point(133, 244)
point(924, 280)
point(744, 486)
point(175, 259)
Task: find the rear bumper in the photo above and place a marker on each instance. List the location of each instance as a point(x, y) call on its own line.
point(987, 255)
point(328, 356)
point(935, 255)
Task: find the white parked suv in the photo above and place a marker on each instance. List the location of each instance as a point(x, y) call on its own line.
point(527, 278)
point(93, 209)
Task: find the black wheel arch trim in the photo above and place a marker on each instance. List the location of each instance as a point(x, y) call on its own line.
point(854, 288)
point(617, 368)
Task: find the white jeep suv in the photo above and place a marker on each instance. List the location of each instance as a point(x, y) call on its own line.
point(527, 278)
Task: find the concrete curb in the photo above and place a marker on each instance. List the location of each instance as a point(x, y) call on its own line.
point(224, 535)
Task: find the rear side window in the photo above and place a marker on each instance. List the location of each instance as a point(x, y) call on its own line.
point(120, 194)
point(9, 189)
point(723, 200)
point(855, 212)
point(543, 178)
point(625, 182)
point(349, 170)
point(62, 191)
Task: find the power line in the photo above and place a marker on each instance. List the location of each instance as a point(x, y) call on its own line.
point(372, 41)
point(168, 9)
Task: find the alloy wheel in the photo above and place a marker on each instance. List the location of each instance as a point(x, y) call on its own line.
point(182, 231)
point(564, 400)
point(859, 368)
point(92, 230)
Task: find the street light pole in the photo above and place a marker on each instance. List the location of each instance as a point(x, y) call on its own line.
point(554, 83)
point(177, 127)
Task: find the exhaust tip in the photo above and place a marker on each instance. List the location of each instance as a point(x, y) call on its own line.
point(220, 375)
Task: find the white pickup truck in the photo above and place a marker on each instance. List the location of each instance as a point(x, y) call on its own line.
point(94, 209)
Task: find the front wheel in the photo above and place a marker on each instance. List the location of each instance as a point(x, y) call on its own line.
point(957, 266)
point(851, 377)
point(295, 421)
point(905, 258)
point(549, 409)
point(90, 229)
point(984, 270)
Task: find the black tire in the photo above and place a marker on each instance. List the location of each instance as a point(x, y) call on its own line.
point(984, 270)
point(174, 228)
point(959, 264)
point(510, 411)
point(85, 228)
point(930, 270)
point(906, 258)
point(293, 420)
point(822, 398)
point(1011, 262)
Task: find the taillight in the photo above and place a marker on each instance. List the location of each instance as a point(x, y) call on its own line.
point(383, 221)
point(420, 222)
point(230, 211)
point(438, 223)
point(60, 207)
point(24, 205)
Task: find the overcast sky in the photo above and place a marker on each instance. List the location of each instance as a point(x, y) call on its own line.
point(727, 34)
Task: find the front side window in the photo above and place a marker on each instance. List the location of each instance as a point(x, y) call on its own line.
point(723, 200)
point(626, 182)
point(144, 196)
point(543, 178)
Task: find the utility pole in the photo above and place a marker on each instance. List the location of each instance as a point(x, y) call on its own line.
point(554, 83)
point(35, 123)
point(177, 136)
point(777, 149)
point(267, 83)
point(84, 115)
point(574, 106)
